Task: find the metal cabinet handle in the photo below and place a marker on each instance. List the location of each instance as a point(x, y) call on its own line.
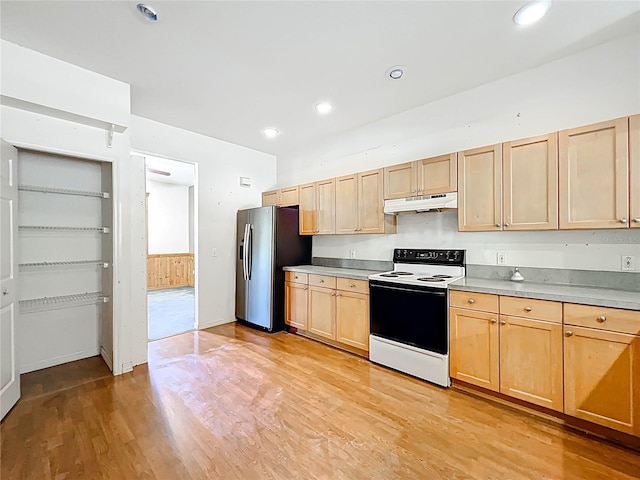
point(527, 309)
point(506, 225)
point(568, 333)
point(503, 322)
point(337, 294)
point(351, 285)
point(471, 300)
point(623, 220)
point(636, 220)
point(601, 319)
point(321, 281)
point(493, 320)
point(498, 225)
point(306, 288)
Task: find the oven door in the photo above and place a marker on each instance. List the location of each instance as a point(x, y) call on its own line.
point(413, 315)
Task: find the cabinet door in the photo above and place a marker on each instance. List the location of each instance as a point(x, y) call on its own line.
point(531, 361)
point(370, 202)
point(295, 305)
point(288, 196)
point(634, 170)
point(437, 175)
point(530, 183)
point(602, 377)
point(347, 204)
point(326, 196)
point(307, 209)
point(352, 319)
point(400, 181)
point(474, 347)
point(480, 189)
point(322, 312)
point(594, 176)
point(270, 198)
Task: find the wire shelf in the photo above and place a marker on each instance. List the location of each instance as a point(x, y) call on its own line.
point(97, 263)
point(62, 191)
point(63, 301)
point(62, 228)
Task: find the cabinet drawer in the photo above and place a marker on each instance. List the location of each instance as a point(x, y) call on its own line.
point(296, 277)
point(528, 308)
point(485, 302)
point(322, 281)
point(602, 318)
point(358, 286)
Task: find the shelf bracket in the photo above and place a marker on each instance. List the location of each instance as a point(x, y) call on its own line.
point(110, 131)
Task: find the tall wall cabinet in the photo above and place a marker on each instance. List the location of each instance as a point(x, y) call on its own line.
point(65, 251)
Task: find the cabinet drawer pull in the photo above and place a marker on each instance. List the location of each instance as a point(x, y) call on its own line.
point(321, 281)
point(568, 333)
point(503, 322)
point(493, 320)
point(636, 220)
point(527, 309)
point(623, 220)
point(295, 276)
point(506, 224)
point(351, 285)
point(471, 300)
point(337, 294)
point(306, 288)
point(498, 225)
point(601, 319)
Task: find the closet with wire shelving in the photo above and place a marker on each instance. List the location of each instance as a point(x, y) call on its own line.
point(65, 254)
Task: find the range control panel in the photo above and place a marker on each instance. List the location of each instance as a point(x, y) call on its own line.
point(433, 257)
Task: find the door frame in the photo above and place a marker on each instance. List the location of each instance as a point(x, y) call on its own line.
point(196, 282)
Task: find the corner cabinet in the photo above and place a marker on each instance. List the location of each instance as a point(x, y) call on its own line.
point(594, 180)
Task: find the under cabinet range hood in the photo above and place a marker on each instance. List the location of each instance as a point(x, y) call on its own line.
point(422, 204)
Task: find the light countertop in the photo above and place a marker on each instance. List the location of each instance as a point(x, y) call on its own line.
point(353, 273)
point(603, 297)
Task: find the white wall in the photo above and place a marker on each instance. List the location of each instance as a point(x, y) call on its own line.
point(598, 84)
point(219, 166)
point(168, 217)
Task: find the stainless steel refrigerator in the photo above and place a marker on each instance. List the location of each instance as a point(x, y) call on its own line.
point(267, 240)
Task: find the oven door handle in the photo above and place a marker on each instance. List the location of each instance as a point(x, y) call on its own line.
point(438, 292)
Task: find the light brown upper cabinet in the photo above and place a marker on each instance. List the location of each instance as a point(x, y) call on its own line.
point(270, 198)
point(422, 177)
point(317, 207)
point(594, 176)
point(530, 183)
point(288, 196)
point(634, 170)
point(360, 205)
point(480, 189)
point(307, 209)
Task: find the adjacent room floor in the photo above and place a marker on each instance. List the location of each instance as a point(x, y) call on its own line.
point(234, 403)
point(171, 311)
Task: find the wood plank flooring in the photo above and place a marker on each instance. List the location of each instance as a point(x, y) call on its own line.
point(234, 403)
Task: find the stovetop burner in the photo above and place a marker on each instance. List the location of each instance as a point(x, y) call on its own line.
point(442, 276)
point(431, 279)
point(392, 275)
point(403, 273)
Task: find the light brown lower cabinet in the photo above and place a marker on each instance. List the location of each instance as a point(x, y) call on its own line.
point(337, 309)
point(583, 361)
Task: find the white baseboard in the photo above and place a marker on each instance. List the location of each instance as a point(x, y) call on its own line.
point(51, 362)
point(216, 323)
point(107, 359)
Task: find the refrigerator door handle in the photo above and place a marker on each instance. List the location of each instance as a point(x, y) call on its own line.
point(244, 252)
point(250, 251)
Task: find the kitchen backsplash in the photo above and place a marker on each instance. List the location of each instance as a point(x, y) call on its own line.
point(599, 250)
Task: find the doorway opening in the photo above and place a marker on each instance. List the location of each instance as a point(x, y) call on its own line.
point(171, 247)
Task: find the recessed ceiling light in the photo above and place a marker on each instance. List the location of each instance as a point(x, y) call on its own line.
point(532, 12)
point(395, 72)
point(324, 107)
point(148, 12)
point(271, 132)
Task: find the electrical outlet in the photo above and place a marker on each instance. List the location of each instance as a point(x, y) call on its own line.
point(502, 258)
point(214, 252)
point(352, 254)
point(627, 263)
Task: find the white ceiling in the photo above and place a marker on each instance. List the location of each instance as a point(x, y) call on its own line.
point(229, 69)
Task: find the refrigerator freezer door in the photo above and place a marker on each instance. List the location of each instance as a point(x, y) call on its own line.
point(241, 264)
point(260, 266)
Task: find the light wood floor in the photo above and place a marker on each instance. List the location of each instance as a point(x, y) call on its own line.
point(233, 403)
